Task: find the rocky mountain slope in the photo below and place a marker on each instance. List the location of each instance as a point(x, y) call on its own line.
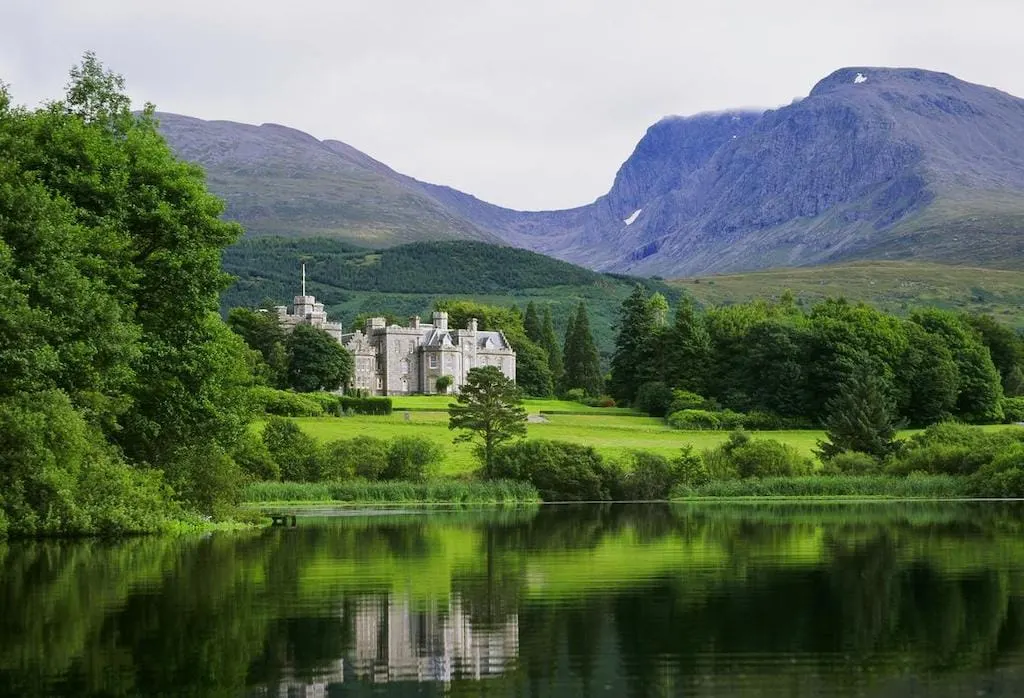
point(876, 163)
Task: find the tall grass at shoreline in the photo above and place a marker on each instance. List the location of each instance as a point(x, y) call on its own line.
point(361, 491)
point(880, 486)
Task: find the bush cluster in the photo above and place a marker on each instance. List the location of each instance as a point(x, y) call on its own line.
point(285, 452)
point(285, 403)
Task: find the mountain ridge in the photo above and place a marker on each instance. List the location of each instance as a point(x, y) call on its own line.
point(887, 163)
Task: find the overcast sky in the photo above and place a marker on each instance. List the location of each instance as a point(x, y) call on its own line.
point(525, 103)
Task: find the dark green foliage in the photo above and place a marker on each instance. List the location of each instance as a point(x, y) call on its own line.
point(338, 459)
point(488, 408)
point(561, 472)
point(929, 378)
point(979, 389)
point(533, 371)
point(253, 457)
point(285, 403)
point(649, 476)
point(581, 362)
point(638, 344)
point(443, 384)
point(886, 486)
point(413, 458)
point(365, 405)
point(262, 332)
point(366, 456)
point(296, 453)
point(532, 324)
point(1003, 477)
point(687, 349)
point(695, 420)
point(691, 469)
point(549, 342)
point(1013, 409)
point(686, 400)
point(766, 458)
point(654, 398)
point(110, 274)
point(860, 418)
point(441, 491)
point(1006, 348)
point(316, 361)
point(853, 463)
point(59, 476)
point(953, 449)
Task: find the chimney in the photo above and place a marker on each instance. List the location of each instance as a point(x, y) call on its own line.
point(414, 322)
point(471, 325)
point(440, 320)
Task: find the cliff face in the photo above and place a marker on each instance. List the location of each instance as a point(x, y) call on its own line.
point(874, 163)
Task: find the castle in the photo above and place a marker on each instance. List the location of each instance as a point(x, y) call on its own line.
point(396, 360)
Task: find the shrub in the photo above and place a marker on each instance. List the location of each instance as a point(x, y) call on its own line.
point(253, 457)
point(413, 458)
point(295, 452)
point(649, 476)
point(329, 402)
point(1013, 410)
point(600, 401)
point(853, 463)
point(365, 405)
point(285, 403)
point(952, 448)
point(443, 383)
point(1003, 477)
point(654, 398)
point(206, 478)
point(757, 420)
point(690, 468)
point(576, 395)
point(685, 400)
point(727, 419)
point(365, 456)
point(768, 458)
point(560, 471)
point(699, 420)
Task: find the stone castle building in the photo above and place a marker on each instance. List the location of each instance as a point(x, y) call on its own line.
point(396, 360)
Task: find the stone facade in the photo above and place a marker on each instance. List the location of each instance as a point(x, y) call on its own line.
point(396, 360)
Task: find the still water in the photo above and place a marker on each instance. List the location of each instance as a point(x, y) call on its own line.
point(602, 600)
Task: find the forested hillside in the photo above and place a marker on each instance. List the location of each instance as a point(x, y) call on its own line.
point(408, 279)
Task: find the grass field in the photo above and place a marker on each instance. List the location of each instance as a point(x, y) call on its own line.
point(613, 432)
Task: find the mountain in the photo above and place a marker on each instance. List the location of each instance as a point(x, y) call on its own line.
point(875, 163)
point(280, 181)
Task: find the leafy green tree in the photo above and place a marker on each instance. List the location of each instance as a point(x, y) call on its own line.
point(316, 361)
point(488, 408)
point(549, 341)
point(979, 390)
point(296, 453)
point(1006, 348)
point(532, 324)
point(860, 417)
point(928, 379)
point(582, 364)
point(533, 374)
point(262, 331)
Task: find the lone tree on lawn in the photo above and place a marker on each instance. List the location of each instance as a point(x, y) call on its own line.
point(490, 409)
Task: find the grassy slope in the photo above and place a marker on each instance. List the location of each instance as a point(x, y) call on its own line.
point(896, 287)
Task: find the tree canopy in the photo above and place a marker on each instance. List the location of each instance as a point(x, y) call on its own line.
point(489, 409)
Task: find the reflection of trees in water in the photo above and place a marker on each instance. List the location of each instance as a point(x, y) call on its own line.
point(919, 587)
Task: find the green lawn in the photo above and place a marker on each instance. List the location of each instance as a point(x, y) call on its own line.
point(612, 432)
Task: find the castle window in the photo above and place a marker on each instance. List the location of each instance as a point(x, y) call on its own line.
point(432, 360)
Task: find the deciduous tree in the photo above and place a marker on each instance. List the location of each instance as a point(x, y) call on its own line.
point(488, 409)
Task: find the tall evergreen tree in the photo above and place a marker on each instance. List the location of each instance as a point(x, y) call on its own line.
point(532, 324)
point(582, 363)
point(860, 416)
point(636, 359)
point(688, 349)
point(549, 340)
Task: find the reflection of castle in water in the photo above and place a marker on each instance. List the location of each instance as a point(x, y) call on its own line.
point(394, 642)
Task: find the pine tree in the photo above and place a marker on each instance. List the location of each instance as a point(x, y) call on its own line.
point(638, 356)
point(582, 364)
point(860, 416)
point(549, 340)
point(532, 325)
point(688, 350)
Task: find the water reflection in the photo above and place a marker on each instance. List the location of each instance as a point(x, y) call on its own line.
point(654, 600)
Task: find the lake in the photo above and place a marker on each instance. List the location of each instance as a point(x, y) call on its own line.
point(869, 599)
